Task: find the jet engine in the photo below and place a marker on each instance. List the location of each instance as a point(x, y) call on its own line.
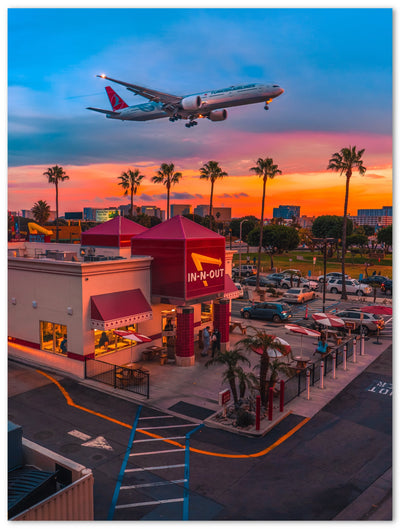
point(218, 115)
point(191, 103)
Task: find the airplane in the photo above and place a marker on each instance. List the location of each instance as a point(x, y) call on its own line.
point(211, 105)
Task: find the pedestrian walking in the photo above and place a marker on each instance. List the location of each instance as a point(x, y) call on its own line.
point(206, 341)
point(215, 343)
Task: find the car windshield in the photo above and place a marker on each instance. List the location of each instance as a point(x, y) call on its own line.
point(293, 291)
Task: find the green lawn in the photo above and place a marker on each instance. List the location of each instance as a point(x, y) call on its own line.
point(303, 260)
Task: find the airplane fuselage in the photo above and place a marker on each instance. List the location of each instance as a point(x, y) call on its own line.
point(213, 100)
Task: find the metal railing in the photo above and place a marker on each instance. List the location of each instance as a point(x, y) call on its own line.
point(121, 377)
point(296, 384)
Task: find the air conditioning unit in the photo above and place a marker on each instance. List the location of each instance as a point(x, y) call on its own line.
point(91, 251)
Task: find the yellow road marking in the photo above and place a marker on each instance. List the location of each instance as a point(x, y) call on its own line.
point(70, 402)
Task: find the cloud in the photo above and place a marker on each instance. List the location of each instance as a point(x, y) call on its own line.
point(233, 195)
point(373, 175)
point(185, 196)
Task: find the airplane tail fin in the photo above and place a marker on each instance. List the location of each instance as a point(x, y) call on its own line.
point(116, 101)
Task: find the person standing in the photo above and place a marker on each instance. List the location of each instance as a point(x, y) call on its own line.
point(206, 341)
point(215, 343)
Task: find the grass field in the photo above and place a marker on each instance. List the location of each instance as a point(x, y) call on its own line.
point(303, 260)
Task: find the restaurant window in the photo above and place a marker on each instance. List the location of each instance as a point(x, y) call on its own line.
point(168, 326)
point(206, 312)
point(53, 337)
point(109, 342)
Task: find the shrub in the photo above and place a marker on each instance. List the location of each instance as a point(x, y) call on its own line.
point(244, 418)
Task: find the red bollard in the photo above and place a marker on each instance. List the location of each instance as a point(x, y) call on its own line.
point(270, 403)
point(282, 395)
point(258, 408)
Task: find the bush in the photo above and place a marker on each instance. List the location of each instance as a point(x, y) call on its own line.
point(244, 418)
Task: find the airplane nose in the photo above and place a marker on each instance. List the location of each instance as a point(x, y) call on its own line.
point(281, 90)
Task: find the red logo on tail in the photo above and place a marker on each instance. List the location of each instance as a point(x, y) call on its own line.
point(116, 101)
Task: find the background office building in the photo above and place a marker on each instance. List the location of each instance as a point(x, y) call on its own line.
point(374, 217)
point(180, 209)
point(221, 214)
point(286, 212)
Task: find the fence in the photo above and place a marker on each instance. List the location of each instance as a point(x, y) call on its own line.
point(134, 380)
point(298, 383)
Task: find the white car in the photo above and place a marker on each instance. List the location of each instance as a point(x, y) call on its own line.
point(304, 283)
point(352, 287)
point(332, 275)
point(247, 270)
point(298, 295)
point(239, 287)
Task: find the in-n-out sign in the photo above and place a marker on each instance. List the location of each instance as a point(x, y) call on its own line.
point(205, 275)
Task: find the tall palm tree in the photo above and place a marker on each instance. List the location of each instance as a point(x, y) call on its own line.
point(130, 182)
point(166, 176)
point(344, 162)
point(264, 343)
point(211, 171)
point(230, 359)
point(41, 211)
point(266, 169)
point(55, 175)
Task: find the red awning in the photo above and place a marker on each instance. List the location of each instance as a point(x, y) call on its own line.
point(230, 289)
point(117, 309)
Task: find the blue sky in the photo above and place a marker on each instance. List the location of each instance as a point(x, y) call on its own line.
point(334, 64)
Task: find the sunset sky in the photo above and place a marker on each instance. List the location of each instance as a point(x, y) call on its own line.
point(334, 64)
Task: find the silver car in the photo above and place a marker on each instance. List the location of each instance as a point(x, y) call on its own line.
point(370, 322)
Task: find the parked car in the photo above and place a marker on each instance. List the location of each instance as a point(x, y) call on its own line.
point(370, 322)
point(247, 270)
point(291, 271)
point(352, 287)
point(264, 282)
point(239, 287)
point(277, 312)
point(298, 295)
point(386, 286)
point(276, 277)
point(300, 281)
point(332, 275)
point(373, 279)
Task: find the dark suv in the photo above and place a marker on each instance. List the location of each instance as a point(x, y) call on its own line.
point(277, 312)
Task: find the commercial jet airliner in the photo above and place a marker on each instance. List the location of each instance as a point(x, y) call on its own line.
point(211, 105)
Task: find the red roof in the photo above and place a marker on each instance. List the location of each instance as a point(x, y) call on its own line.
point(118, 309)
point(178, 228)
point(230, 289)
point(116, 232)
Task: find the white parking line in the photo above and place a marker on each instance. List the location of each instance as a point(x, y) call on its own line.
point(158, 452)
point(190, 425)
point(129, 505)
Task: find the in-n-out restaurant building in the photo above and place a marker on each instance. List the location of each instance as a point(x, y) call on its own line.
point(66, 301)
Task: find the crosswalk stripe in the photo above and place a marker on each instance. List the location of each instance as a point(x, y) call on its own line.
point(158, 452)
point(160, 439)
point(144, 469)
point(144, 503)
point(154, 484)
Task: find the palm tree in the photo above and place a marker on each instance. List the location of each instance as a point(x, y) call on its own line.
point(264, 343)
point(130, 182)
point(166, 176)
point(230, 359)
point(41, 211)
point(267, 170)
point(55, 175)
point(211, 171)
point(344, 162)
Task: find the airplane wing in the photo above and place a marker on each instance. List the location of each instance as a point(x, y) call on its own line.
point(148, 93)
point(109, 112)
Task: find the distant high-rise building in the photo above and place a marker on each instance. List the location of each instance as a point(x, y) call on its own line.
point(180, 209)
point(374, 217)
point(221, 214)
point(286, 212)
point(151, 211)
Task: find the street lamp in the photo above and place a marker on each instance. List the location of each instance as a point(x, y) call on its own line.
point(240, 249)
point(324, 243)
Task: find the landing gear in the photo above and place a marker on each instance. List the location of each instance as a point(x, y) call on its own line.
point(175, 117)
point(191, 124)
point(266, 107)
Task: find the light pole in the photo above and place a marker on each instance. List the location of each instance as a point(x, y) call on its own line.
point(240, 249)
point(324, 243)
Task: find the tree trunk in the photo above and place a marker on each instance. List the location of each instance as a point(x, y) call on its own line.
point(344, 236)
point(131, 202)
point(211, 201)
point(168, 187)
point(264, 364)
point(232, 384)
point(56, 183)
point(261, 236)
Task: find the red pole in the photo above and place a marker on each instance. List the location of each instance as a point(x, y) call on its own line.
point(258, 408)
point(270, 403)
point(281, 395)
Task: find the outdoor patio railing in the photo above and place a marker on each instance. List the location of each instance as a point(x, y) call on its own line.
point(296, 384)
point(121, 377)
